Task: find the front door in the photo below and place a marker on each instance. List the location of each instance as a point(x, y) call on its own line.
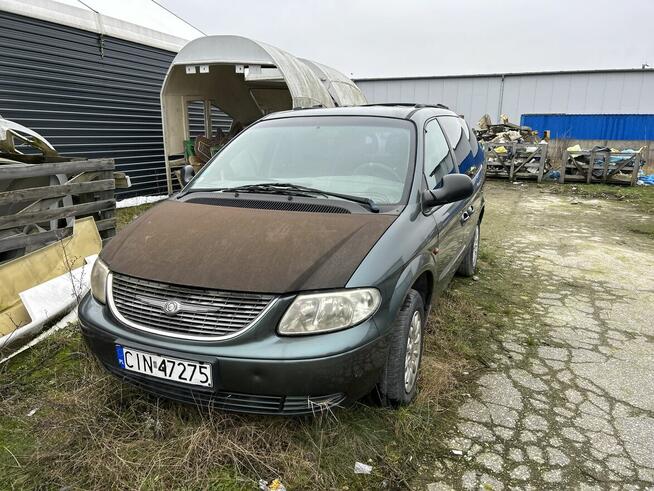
point(439, 162)
point(469, 159)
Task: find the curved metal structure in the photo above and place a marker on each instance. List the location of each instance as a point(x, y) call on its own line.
point(245, 79)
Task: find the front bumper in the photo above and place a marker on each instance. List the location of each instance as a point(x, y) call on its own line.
point(258, 372)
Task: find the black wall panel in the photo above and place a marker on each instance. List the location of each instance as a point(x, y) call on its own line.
point(89, 95)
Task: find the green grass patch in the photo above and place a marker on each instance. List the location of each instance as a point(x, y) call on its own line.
point(642, 197)
point(124, 216)
point(642, 229)
point(90, 429)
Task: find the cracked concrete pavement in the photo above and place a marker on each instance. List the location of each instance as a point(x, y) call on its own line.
point(568, 402)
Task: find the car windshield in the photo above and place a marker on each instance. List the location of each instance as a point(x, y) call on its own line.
point(367, 157)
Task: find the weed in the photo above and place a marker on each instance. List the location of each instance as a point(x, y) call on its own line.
point(91, 431)
point(642, 197)
point(124, 216)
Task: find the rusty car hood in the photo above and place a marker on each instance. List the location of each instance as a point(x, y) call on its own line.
point(241, 249)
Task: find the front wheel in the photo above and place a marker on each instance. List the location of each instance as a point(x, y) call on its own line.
point(469, 264)
point(399, 381)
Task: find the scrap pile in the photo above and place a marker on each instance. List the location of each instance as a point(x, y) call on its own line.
point(512, 151)
point(199, 150)
point(55, 214)
point(504, 131)
point(602, 165)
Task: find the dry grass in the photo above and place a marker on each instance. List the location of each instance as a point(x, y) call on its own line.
point(124, 216)
point(90, 431)
point(641, 197)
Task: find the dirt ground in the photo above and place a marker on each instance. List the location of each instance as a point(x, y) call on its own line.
point(537, 374)
point(569, 399)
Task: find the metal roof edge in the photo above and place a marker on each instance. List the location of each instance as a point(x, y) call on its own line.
point(89, 20)
point(506, 74)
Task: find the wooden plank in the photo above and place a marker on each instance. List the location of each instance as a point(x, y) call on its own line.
point(636, 169)
point(55, 191)
point(23, 240)
point(564, 166)
point(591, 167)
point(36, 159)
point(110, 213)
point(622, 164)
point(526, 161)
point(577, 165)
point(109, 223)
point(122, 180)
point(21, 219)
point(75, 167)
point(541, 162)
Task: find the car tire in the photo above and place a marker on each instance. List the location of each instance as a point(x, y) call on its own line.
point(468, 265)
point(399, 382)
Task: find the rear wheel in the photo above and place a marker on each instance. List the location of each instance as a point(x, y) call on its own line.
point(469, 264)
point(399, 380)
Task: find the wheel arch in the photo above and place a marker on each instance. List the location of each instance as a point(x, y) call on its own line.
point(424, 285)
point(417, 275)
point(481, 214)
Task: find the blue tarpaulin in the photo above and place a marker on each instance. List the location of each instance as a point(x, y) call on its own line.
point(593, 126)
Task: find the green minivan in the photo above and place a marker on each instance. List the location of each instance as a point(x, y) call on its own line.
point(295, 272)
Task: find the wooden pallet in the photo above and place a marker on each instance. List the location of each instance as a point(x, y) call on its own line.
point(598, 168)
point(512, 165)
point(46, 213)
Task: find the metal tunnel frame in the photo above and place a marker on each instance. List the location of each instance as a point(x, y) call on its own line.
point(245, 79)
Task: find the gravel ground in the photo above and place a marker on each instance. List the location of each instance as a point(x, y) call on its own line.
point(569, 399)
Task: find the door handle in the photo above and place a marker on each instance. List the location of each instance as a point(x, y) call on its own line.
point(465, 216)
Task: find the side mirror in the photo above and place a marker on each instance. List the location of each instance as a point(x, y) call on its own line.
point(186, 174)
point(455, 188)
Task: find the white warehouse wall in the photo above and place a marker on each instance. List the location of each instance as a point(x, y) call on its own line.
point(584, 92)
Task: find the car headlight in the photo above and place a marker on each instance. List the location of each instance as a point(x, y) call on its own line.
point(99, 275)
point(323, 312)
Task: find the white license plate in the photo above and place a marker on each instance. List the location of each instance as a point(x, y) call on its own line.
point(185, 371)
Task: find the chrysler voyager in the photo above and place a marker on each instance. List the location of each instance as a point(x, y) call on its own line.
point(295, 272)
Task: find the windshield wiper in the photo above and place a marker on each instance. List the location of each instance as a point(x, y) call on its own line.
point(297, 190)
point(267, 187)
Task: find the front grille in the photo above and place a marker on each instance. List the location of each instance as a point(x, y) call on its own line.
point(203, 313)
point(230, 401)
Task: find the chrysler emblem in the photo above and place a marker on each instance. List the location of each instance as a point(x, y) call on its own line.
point(171, 307)
point(174, 307)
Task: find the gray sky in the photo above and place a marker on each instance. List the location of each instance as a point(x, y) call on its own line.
point(376, 38)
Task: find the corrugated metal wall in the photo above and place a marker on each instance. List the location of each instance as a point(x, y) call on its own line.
point(467, 96)
point(639, 127)
point(609, 92)
point(90, 96)
point(629, 92)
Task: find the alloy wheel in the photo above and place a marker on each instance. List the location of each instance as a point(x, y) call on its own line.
point(413, 345)
point(475, 248)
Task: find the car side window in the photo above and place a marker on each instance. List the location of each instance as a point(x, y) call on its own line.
point(438, 159)
point(464, 143)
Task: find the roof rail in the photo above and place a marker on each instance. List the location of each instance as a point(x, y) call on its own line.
point(315, 106)
point(409, 104)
